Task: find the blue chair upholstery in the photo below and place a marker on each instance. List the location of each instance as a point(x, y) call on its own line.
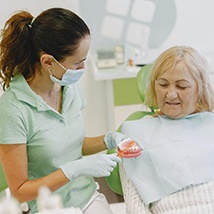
point(142, 82)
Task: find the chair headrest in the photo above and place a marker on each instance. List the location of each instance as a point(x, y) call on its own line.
point(143, 80)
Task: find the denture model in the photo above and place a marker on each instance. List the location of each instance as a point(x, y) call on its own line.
point(128, 148)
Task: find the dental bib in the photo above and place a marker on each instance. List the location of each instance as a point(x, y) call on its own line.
point(176, 153)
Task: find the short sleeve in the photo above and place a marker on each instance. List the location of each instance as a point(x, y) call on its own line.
point(12, 128)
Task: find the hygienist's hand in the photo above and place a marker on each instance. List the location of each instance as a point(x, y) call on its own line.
point(112, 139)
point(98, 165)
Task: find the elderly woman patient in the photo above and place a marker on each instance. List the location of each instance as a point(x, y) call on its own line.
point(175, 172)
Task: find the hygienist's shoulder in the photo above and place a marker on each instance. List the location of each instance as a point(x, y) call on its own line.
point(8, 96)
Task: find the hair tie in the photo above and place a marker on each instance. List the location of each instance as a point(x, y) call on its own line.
point(32, 21)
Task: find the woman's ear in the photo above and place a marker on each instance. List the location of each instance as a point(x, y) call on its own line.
point(46, 60)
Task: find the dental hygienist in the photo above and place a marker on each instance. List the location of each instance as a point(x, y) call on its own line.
point(42, 133)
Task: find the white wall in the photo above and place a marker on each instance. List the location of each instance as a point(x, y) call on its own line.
point(95, 114)
point(33, 6)
point(194, 27)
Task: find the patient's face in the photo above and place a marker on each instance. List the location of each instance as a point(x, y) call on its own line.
point(177, 92)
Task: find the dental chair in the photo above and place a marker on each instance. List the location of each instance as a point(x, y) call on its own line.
point(3, 182)
point(113, 180)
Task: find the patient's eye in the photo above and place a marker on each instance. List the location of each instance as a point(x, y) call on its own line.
point(183, 85)
point(163, 83)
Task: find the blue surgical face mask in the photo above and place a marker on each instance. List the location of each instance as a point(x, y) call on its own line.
point(69, 77)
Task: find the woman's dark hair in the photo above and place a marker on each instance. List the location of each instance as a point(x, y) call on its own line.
point(55, 31)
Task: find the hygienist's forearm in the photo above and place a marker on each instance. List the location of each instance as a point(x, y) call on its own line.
point(29, 190)
point(93, 145)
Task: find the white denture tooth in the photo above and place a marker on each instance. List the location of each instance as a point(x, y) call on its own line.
point(123, 142)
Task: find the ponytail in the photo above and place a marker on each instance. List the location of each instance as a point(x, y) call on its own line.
point(15, 47)
point(55, 31)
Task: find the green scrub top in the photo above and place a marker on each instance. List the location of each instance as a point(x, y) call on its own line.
point(52, 138)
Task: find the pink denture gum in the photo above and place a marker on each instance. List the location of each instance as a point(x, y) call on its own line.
point(128, 148)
